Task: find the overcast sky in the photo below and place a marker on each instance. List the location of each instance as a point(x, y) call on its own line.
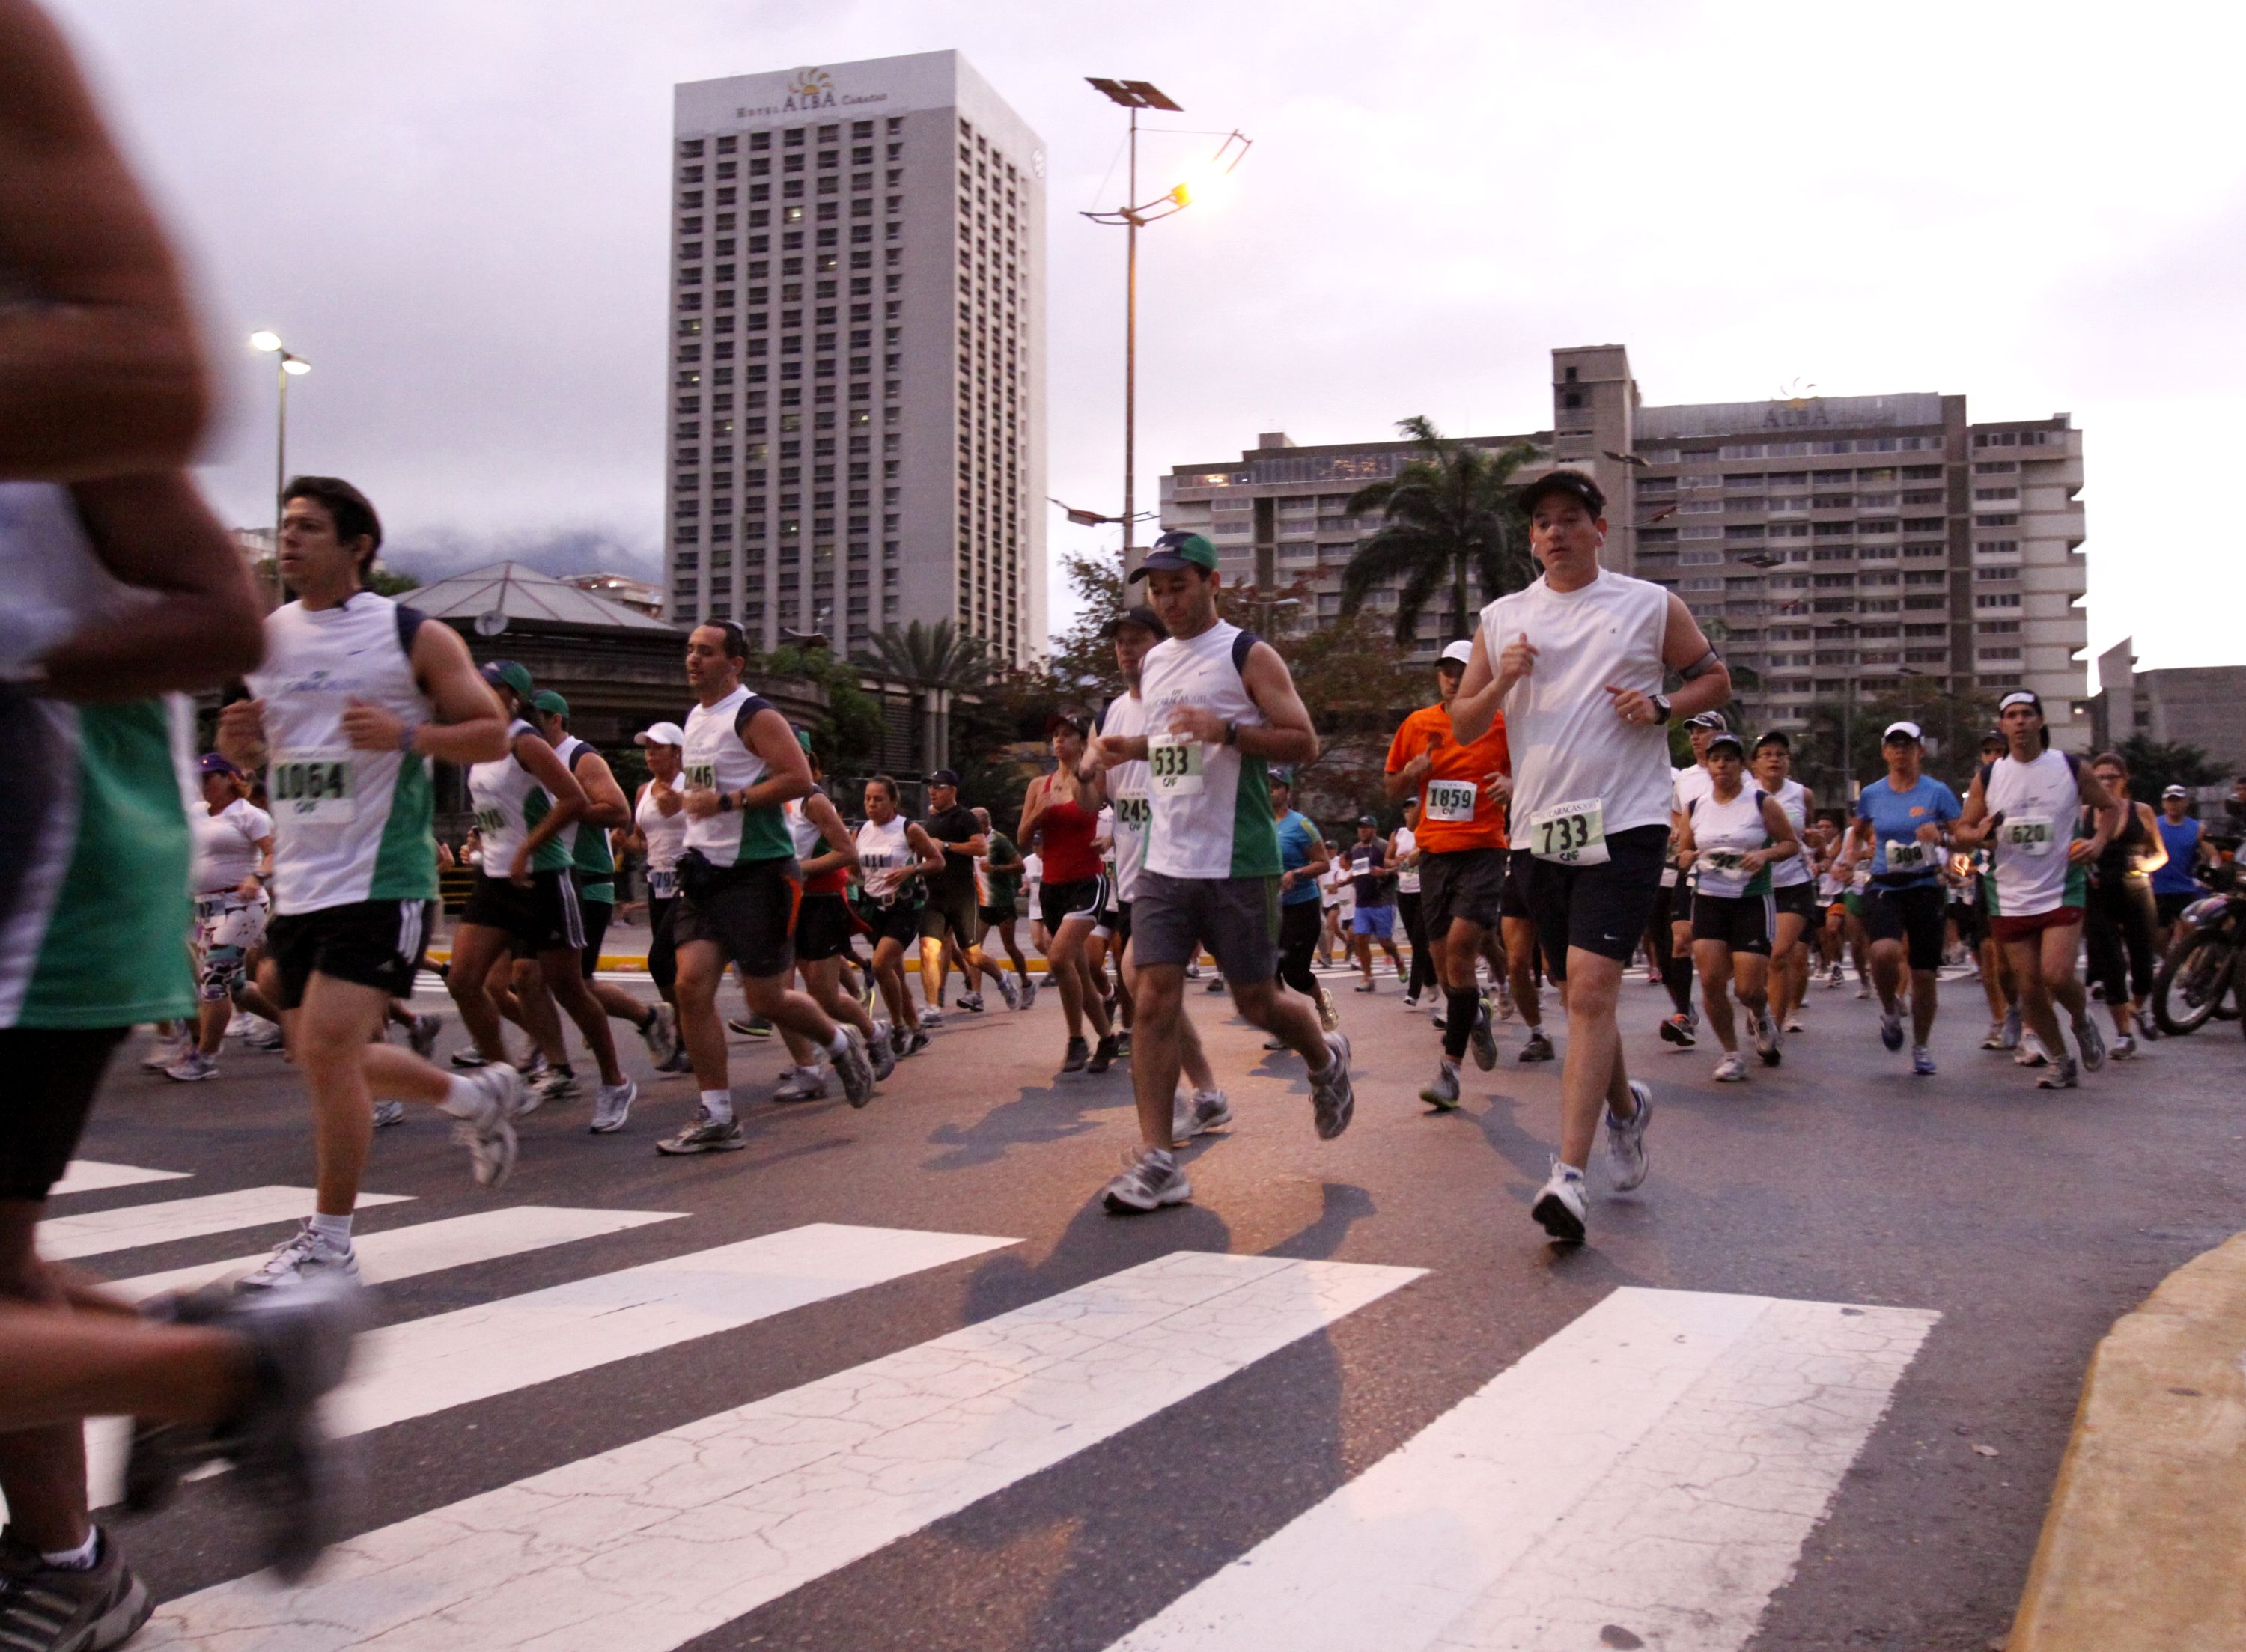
point(457, 212)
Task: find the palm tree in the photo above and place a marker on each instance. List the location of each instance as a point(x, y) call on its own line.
point(1449, 513)
point(935, 662)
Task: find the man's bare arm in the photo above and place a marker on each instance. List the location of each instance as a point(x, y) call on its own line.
point(100, 374)
point(1684, 645)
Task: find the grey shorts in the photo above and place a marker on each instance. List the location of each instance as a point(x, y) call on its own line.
point(1464, 883)
point(1237, 919)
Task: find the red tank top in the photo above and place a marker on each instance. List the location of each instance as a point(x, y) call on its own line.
point(1068, 833)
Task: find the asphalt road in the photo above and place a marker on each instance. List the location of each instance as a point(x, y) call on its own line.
point(2026, 1221)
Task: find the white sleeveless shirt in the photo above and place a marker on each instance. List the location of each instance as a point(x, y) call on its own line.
point(2039, 800)
point(1210, 813)
point(1722, 831)
point(1127, 789)
point(717, 756)
point(1794, 799)
point(885, 858)
point(1568, 744)
point(666, 842)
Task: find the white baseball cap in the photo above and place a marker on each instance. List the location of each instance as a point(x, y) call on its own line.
point(661, 734)
point(1904, 727)
point(1459, 652)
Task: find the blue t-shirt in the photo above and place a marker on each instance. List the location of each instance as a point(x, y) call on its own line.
point(1897, 817)
point(1298, 845)
point(2182, 839)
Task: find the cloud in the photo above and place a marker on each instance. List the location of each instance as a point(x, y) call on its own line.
point(433, 553)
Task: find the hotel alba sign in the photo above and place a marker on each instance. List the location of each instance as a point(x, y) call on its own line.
point(808, 92)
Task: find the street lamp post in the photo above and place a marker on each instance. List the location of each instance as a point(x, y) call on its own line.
point(287, 365)
point(1847, 627)
point(1135, 95)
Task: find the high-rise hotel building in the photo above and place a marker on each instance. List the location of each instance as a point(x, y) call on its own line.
point(1835, 544)
point(855, 420)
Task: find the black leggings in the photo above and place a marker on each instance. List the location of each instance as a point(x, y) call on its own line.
point(2117, 923)
point(662, 954)
point(1422, 955)
point(1300, 926)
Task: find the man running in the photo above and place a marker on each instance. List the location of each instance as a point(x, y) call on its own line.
point(738, 885)
point(1375, 918)
point(2023, 806)
point(997, 897)
point(1404, 856)
point(1302, 873)
point(1576, 660)
point(1220, 704)
point(949, 913)
point(1687, 787)
point(2175, 881)
point(1461, 788)
point(1792, 881)
point(1901, 833)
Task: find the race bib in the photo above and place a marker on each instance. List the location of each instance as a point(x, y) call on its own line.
point(1572, 833)
point(1173, 764)
point(1723, 859)
point(1452, 800)
point(661, 886)
point(2029, 834)
point(1668, 877)
point(209, 908)
point(1134, 813)
point(313, 787)
point(490, 819)
point(702, 777)
point(1906, 857)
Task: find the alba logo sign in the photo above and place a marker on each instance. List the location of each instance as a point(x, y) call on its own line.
point(809, 90)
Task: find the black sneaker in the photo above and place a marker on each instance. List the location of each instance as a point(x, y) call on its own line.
point(1677, 1029)
point(1483, 1040)
point(1123, 1042)
point(1538, 1048)
point(1104, 1057)
point(754, 1027)
point(1078, 1053)
point(44, 1609)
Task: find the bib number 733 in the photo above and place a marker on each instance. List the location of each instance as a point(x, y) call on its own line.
point(1571, 833)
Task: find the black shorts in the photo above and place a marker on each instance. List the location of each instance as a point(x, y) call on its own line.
point(1602, 909)
point(993, 916)
point(594, 916)
point(1744, 923)
point(1972, 920)
point(2169, 907)
point(823, 927)
point(544, 917)
point(1514, 903)
point(57, 1070)
point(898, 922)
point(1462, 883)
point(1800, 900)
point(369, 943)
point(747, 911)
point(1908, 912)
point(951, 910)
point(1084, 898)
point(1119, 926)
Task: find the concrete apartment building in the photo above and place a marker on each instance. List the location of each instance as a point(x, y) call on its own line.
point(855, 375)
point(1827, 540)
point(2198, 705)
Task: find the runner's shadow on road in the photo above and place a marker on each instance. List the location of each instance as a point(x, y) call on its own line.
point(1094, 1243)
point(1049, 1113)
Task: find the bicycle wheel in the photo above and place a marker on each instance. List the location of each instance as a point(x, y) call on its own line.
point(2193, 983)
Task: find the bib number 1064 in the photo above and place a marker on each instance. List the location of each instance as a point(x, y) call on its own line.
point(1571, 833)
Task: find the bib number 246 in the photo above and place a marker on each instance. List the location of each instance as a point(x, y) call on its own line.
point(1572, 833)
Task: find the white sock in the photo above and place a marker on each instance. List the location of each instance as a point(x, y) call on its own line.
point(1572, 1172)
point(461, 1098)
point(334, 1229)
point(840, 1044)
point(718, 1104)
point(77, 1559)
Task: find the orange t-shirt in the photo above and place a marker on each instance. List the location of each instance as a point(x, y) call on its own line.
point(1456, 809)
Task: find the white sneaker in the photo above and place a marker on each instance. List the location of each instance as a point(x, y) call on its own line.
point(165, 1053)
point(192, 1067)
point(240, 1024)
point(931, 1017)
point(1204, 1110)
point(1028, 991)
point(303, 1254)
point(804, 1083)
point(1150, 1179)
point(1626, 1141)
point(2029, 1054)
point(1732, 1069)
point(389, 1113)
point(661, 1035)
point(2092, 1041)
point(1769, 1044)
point(489, 1134)
point(611, 1107)
point(1006, 991)
point(1560, 1205)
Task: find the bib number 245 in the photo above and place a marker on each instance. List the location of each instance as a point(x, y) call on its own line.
point(1572, 833)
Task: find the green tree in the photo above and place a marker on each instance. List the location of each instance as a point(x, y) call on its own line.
point(391, 581)
point(1953, 723)
point(938, 655)
point(851, 730)
point(2157, 765)
point(1449, 517)
point(1082, 664)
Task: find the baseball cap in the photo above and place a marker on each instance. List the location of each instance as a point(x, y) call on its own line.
point(2172, 791)
point(2021, 697)
point(1774, 737)
point(1177, 549)
point(550, 703)
point(1075, 715)
point(661, 734)
point(507, 674)
point(945, 777)
point(1139, 614)
point(1458, 653)
point(1708, 720)
point(1574, 484)
point(1903, 726)
point(1995, 737)
point(1366, 820)
point(1725, 737)
point(218, 763)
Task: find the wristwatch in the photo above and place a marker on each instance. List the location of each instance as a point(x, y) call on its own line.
point(1660, 704)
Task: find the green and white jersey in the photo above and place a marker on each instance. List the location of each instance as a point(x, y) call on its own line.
point(717, 756)
point(509, 803)
point(1723, 832)
point(1210, 813)
point(2039, 802)
point(1127, 789)
point(347, 825)
point(588, 844)
point(93, 828)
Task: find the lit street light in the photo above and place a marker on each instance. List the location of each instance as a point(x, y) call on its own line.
point(1135, 95)
point(290, 365)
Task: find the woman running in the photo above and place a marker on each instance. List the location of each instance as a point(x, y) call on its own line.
point(1793, 883)
point(2120, 919)
point(894, 855)
point(658, 836)
point(1734, 834)
point(1074, 892)
point(825, 854)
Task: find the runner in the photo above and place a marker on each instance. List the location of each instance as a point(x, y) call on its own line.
point(739, 884)
point(949, 913)
point(1832, 886)
point(1576, 660)
point(1901, 828)
point(1687, 785)
point(233, 863)
point(1461, 788)
point(525, 905)
point(997, 894)
point(895, 855)
point(2119, 917)
point(1338, 894)
point(1404, 856)
point(1734, 834)
point(827, 854)
point(2175, 881)
point(1793, 879)
point(1073, 893)
point(2023, 806)
point(594, 867)
point(1220, 703)
point(1303, 866)
point(1375, 918)
point(658, 834)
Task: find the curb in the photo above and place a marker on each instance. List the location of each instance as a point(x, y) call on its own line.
point(2145, 1543)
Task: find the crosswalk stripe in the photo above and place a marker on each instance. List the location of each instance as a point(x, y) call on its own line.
point(426, 1365)
point(1654, 1467)
point(641, 1548)
point(91, 1176)
point(62, 1238)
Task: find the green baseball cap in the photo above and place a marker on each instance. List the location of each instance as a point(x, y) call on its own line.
point(507, 674)
point(550, 703)
point(1175, 550)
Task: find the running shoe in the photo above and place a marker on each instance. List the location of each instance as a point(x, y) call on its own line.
point(898, 1038)
point(2062, 1075)
point(1103, 1057)
point(1833, 977)
point(241, 1024)
point(489, 1133)
point(469, 1059)
point(52, 1608)
point(661, 1035)
point(1332, 1097)
point(1366, 986)
point(1560, 1205)
point(754, 1027)
point(2093, 1042)
point(557, 1084)
point(1441, 1092)
point(536, 1068)
point(1151, 1178)
point(2124, 1048)
point(680, 1063)
point(1437, 1016)
point(1122, 1043)
point(1538, 1048)
point(1677, 1029)
point(1921, 1061)
point(421, 1037)
point(1078, 1052)
point(1891, 1032)
point(1732, 1069)
point(2012, 1028)
point(269, 1041)
point(971, 1002)
point(1028, 991)
point(1275, 1043)
point(804, 1083)
point(1769, 1044)
point(915, 1041)
point(1329, 1011)
point(706, 1135)
point(1626, 1141)
point(1864, 990)
point(306, 1253)
point(1215, 984)
point(1006, 991)
point(1504, 1004)
point(192, 1067)
point(1996, 1039)
point(855, 1067)
point(612, 1106)
point(1410, 1001)
point(166, 1053)
point(389, 1113)
point(1483, 1040)
point(930, 1016)
point(2030, 1053)
point(881, 1053)
point(2147, 1027)
point(1202, 1111)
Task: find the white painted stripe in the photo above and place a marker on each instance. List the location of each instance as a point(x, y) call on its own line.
point(91, 1176)
point(643, 1547)
point(64, 1237)
point(1654, 1467)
